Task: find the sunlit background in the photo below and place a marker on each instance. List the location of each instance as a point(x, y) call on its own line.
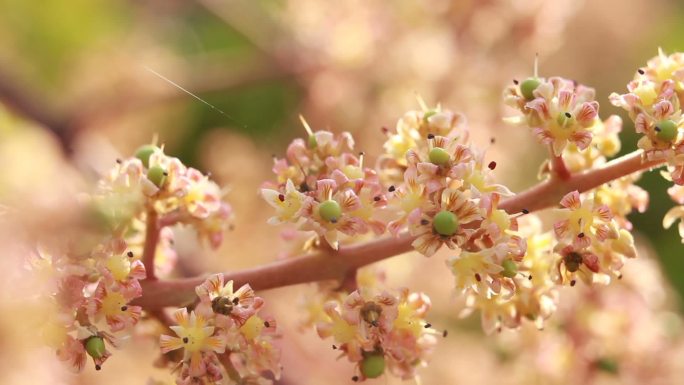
point(83, 82)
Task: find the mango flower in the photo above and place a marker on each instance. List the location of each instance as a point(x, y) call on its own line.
point(195, 337)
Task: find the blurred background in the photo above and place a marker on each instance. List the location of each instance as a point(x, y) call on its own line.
point(80, 85)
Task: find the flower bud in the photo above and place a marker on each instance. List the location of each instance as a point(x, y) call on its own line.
point(439, 156)
point(144, 152)
point(95, 347)
point(373, 365)
point(510, 269)
point(666, 130)
point(312, 142)
point(528, 86)
point(445, 223)
point(330, 210)
point(156, 175)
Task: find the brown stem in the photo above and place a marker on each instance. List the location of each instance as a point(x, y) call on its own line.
point(326, 265)
point(151, 240)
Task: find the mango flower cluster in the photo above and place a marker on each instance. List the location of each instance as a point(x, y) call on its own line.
point(93, 278)
point(323, 186)
point(375, 328)
point(433, 184)
point(623, 333)
point(224, 339)
point(654, 103)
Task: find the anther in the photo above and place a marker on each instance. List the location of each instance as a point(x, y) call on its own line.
point(377, 198)
point(130, 254)
point(98, 367)
point(281, 197)
point(568, 115)
point(530, 277)
point(236, 301)
point(384, 130)
point(445, 333)
point(124, 308)
point(573, 282)
point(424, 222)
point(355, 378)
point(640, 71)
point(267, 324)
point(525, 211)
point(492, 140)
point(428, 326)
point(580, 235)
point(516, 82)
point(119, 161)
point(492, 165)
point(478, 277)
point(334, 347)
point(185, 340)
point(431, 136)
point(391, 188)
point(657, 129)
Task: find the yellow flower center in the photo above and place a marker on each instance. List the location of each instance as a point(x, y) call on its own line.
point(253, 327)
point(646, 92)
point(119, 266)
point(112, 304)
point(581, 220)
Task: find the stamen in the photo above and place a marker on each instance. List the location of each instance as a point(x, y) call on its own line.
point(306, 125)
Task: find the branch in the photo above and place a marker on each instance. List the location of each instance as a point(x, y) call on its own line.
point(151, 240)
point(329, 264)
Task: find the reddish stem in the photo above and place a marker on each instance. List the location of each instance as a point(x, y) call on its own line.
point(151, 240)
point(329, 264)
point(558, 168)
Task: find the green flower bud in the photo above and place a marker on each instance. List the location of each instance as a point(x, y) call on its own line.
point(666, 130)
point(330, 210)
point(95, 347)
point(510, 269)
point(608, 365)
point(445, 223)
point(439, 156)
point(144, 152)
point(311, 142)
point(428, 114)
point(156, 175)
point(528, 86)
point(373, 365)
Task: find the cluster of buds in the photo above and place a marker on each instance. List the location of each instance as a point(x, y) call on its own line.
point(94, 278)
point(224, 339)
point(654, 104)
point(375, 328)
point(322, 186)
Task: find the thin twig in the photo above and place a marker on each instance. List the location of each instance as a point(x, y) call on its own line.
point(151, 240)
